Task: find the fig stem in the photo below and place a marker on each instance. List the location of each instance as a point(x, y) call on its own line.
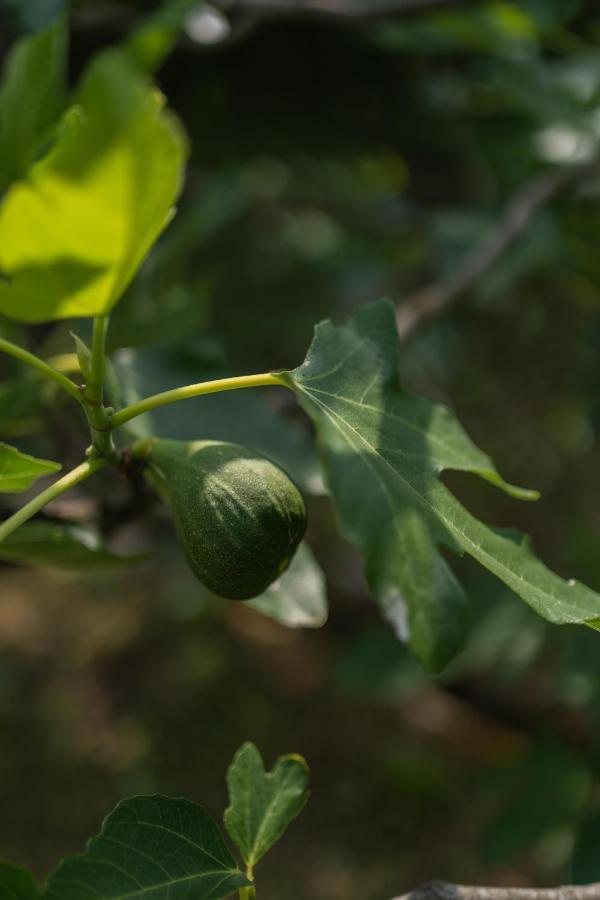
point(75, 476)
point(49, 371)
point(99, 417)
point(249, 893)
point(95, 387)
point(194, 390)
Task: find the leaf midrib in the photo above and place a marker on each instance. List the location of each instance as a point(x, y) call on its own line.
point(428, 435)
point(227, 872)
point(154, 887)
point(267, 816)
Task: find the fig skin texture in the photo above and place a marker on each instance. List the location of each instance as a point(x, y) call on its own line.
point(238, 516)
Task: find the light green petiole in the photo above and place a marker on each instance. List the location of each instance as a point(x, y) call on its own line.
point(193, 390)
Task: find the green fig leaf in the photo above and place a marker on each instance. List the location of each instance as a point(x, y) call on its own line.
point(383, 450)
point(150, 847)
point(32, 97)
point(18, 471)
point(73, 235)
point(298, 599)
point(17, 883)
point(60, 546)
point(262, 804)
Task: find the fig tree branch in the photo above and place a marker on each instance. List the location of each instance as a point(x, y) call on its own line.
point(445, 890)
point(249, 13)
point(522, 208)
point(351, 10)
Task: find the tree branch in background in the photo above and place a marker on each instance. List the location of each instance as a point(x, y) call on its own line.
point(244, 16)
point(445, 890)
point(521, 210)
point(358, 10)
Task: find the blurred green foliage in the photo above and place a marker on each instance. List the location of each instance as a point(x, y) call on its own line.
point(334, 162)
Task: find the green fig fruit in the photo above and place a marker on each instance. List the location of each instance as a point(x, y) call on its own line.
point(237, 514)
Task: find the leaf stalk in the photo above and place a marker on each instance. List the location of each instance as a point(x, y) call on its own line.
point(194, 390)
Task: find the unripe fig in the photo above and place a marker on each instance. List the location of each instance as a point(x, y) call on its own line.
point(237, 514)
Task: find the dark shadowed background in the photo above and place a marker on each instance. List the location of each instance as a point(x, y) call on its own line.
point(445, 160)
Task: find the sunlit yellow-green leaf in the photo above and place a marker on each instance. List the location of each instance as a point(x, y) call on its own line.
point(75, 232)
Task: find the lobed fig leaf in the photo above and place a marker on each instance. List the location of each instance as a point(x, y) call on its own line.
point(239, 517)
point(262, 804)
point(383, 451)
